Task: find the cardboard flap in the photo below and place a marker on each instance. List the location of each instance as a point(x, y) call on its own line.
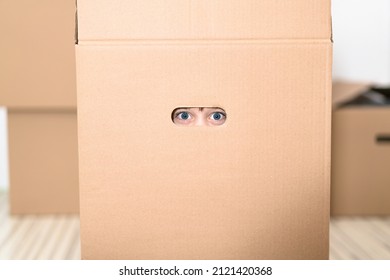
point(203, 19)
point(346, 91)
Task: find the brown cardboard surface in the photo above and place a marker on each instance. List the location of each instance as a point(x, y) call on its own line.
point(43, 162)
point(360, 164)
point(37, 68)
point(203, 19)
point(255, 188)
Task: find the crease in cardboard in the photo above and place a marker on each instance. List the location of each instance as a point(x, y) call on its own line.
point(54, 110)
point(167, 42)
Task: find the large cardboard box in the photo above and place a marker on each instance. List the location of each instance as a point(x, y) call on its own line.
point(360, 151)
point(38, 85)
point(256, 187)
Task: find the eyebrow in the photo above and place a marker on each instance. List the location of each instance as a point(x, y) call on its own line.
point(200, 109)
point(188, 108)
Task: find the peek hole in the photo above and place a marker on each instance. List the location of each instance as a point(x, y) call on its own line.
point(199, 116)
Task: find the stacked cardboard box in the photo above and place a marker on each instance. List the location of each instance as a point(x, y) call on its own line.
point(360, 150)
point(37, 84)
point(256, 187)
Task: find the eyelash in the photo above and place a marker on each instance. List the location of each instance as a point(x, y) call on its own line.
point(180, 112)
point(218, 112)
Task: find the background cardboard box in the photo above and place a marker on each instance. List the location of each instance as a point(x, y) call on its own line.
point(360, 155)
point(43, 165)
point(37, 84)
point(256, 187)
point(37, 55)
point(44, 169)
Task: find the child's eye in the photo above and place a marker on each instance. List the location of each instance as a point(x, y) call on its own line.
point(217, 116)
point(183, 116)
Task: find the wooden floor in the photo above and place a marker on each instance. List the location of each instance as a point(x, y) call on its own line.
point(360, 238)
point(57, 237)
point(43, 237)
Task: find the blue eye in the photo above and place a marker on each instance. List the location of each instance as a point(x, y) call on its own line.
point(217, 116)
point(183, 116)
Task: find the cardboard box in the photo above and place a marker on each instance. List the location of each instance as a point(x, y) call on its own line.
point(43, 162)
point(360, 153)
point(37, 58)
point(38, 85)
point(256, 187)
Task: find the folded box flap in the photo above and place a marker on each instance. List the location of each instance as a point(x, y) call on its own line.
point(203, 19)
point(344, 92)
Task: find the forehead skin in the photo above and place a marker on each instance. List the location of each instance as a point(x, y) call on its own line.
point(200, 109)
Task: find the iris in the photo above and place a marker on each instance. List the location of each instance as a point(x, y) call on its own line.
point(184, 116)
point(217, 116)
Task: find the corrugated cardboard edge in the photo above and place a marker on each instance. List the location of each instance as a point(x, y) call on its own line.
point(76, 32)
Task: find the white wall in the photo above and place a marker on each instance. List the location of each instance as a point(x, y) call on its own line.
point(361, 32)
point(3, 150)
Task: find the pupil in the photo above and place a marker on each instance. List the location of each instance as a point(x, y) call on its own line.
point(184, 115)
point(217, 116)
